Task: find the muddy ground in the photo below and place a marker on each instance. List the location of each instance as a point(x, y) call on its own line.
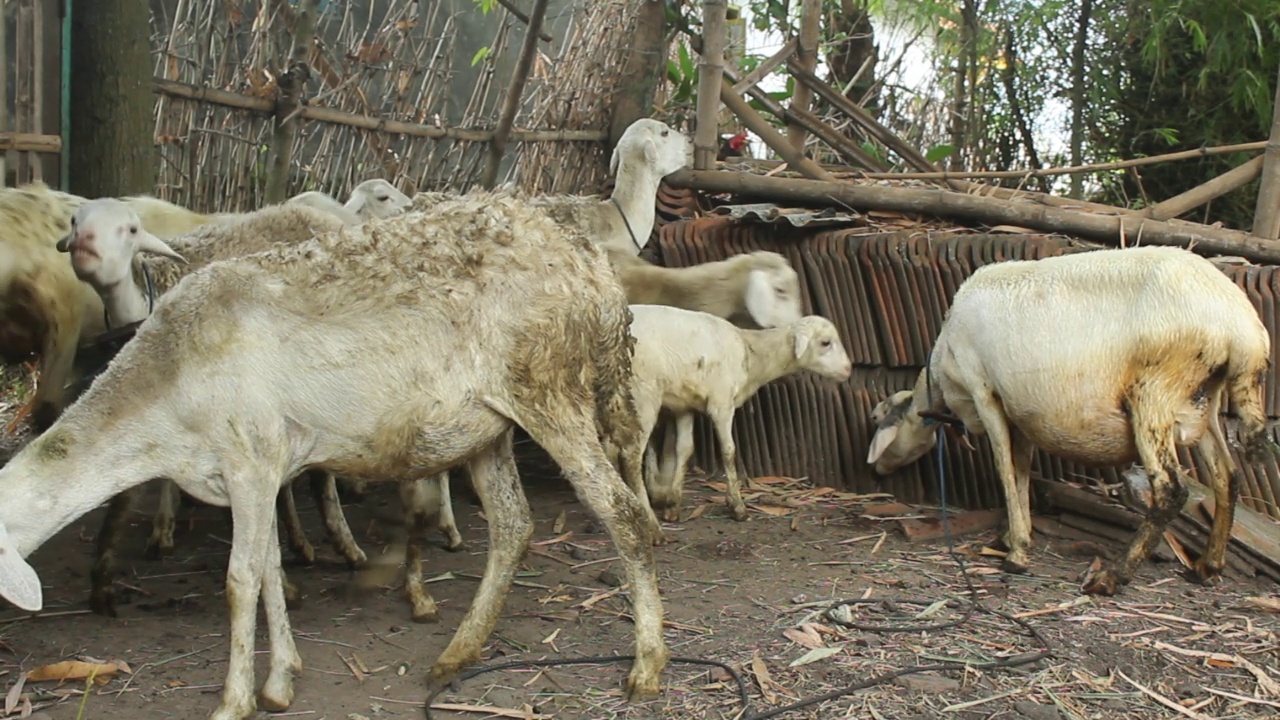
point(747, 594)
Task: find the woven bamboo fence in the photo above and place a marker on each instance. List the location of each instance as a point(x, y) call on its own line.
point(378, 101)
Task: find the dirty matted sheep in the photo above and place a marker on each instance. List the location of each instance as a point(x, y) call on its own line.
point(1104, 358)
point(416, 342)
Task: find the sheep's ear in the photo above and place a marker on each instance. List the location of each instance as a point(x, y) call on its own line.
point(650, 152)
point(613, 161)
point(802, 344)
point(19, 583)
point(884, 437)
point(759, 298)
point(152, 244)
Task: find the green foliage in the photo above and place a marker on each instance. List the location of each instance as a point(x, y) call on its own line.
point(938, 153)
point(479, 57)
point(486, 6)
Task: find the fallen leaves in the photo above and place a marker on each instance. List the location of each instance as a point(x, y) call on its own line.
point(815, 655)
point(1266, 603)
point(77, 670)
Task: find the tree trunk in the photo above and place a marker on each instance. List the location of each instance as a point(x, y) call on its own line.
point(644, 67)
point(112, 143)
point(289, 87)
point(515, 91)
point(706, 135)
point(1009, 77)
point(962, 89)
point(1266, 219)
point(807, 58)
point(1078, 91)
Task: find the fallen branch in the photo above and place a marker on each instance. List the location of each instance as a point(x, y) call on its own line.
point(1163, 700)
point(1201, 194)
point(1111, 229)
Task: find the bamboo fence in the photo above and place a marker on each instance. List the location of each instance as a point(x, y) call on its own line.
point(378, 99)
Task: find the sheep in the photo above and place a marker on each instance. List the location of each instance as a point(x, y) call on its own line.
point(1103, 358)
point(419, 341)
point(648, 151)
point(757, 289)
point(688, 361)
point(104, 242)
point(374, 198)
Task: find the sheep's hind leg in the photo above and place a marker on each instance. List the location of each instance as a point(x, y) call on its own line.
point(288, 512)
point(722, 418)
point(285, 664)
point(414, 495)
point(1225, 480)
point(600, 488)
point(324, 488)
point(1153, 437)
point(493, 473)
point(676, 450)
point(102, 592)
point(160, 544)
point(445, 522)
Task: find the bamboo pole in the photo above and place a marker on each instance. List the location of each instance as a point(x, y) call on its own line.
point(30, 142)
point(229, 99)
point(706, 136)
point(1112, 229)
point(289, 87)
point(515, 91)
point(1266, 218)
point(807, 58)
point(1201, 194)
point(748, 81)
point(774, 139)
point(519, 15)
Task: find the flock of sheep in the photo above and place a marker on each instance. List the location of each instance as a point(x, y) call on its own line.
point(393, 338)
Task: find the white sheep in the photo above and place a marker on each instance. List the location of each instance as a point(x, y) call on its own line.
point(417, 342)
point(755, 289)
point(105, 242)
point(648, 151)
point(374, 198)
point(1103, 358)
point(688, 361)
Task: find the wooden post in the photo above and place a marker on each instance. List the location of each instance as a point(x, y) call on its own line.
point(511, 103)
point(4, 95)
point(807, 58)
point(706, 136)
point(1266, 218)
point(289, 87)
point(643, 69)
point(774, 139)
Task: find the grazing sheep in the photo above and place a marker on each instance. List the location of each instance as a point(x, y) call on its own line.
point(758, 289)
point(370, 199)
point(416, 342)
point(105, 241)
point(687, 361)
point(648, 151)
point(1103, 358)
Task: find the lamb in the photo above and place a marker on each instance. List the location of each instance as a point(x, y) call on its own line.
point(1104, 357)
point(758, 289)
point(374, 198)
point(648, 151)
point(419, 341)
point(688, 361)
point(104, 241)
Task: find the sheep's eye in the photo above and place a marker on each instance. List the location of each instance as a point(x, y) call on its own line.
point(133, 229)
point(666, 133)
point(781, 292)
point(826, 343)
point(383, 198)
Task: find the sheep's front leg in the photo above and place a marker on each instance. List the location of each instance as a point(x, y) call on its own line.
point(1023, 452)
point(722, 418)
point(102, 591)
point(446, 523)
point(1009, 459)
point(1225, 480)
point(160, 544)
point(253, 532)
point(675, 459)
point(277, 691)
point(324, 488)
point(288, 512)
point(633, 467)
point(1153, 436)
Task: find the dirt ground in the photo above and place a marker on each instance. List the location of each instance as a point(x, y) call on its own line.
point(748, 594)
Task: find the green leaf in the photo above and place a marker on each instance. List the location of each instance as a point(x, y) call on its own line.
point(939, 152)
point(479, 57)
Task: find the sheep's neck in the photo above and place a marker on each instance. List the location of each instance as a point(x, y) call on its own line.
point(770, 355)
point(126, 303)
point(636, 192)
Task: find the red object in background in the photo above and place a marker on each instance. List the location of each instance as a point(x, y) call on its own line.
point(733, 146)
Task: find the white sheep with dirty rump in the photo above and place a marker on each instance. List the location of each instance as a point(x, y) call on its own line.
point(418, 341)
point(1103, 358)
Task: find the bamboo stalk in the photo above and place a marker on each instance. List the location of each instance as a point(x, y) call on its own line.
point(1112, 229)
point(772, 138)
point(706, 136)
point(510, 104)
point(1201, 194)
point(289, 87)
point(1266, 218)
point(519, 15)
point(748, 81)
point(229, 99)
point(807, 58)
point(30, 142)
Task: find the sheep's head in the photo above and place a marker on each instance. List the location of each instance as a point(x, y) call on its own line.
point(901, 435)
point(773, 290)
point(655, 144)
point(19, 583)
point(377, 198)
point(105, 236)
point(818, 348)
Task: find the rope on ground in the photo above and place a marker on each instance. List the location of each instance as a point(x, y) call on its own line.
point(974, 605)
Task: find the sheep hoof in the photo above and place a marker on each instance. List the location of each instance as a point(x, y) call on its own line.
point(356, 558)
point(277, 694)
point(102, 601)
point(671, 514)
point(157, 550)
point(1105, 582)
point(292, 596)
point(640, 689)
point(444, 673)
point(453, 542)
point(739, 512)
point(1202, 573)
point(305, 553)
point(425, 616)
point(1013, 567)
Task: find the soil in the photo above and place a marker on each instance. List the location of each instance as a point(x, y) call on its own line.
point(748, 594)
